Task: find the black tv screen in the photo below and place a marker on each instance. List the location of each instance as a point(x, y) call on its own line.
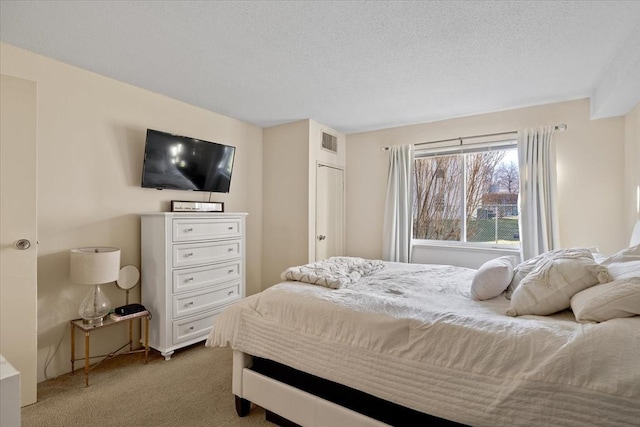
point(182, 163)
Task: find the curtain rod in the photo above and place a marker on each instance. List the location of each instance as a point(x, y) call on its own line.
point(561, 127)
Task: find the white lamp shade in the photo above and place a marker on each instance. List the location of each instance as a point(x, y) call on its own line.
point(94, 266)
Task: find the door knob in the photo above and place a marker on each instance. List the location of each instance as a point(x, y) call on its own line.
point(23, 244)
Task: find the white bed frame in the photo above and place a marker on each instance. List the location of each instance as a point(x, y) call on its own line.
point(288, 402)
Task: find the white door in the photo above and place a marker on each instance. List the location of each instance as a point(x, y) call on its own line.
point(18, 253)
point(329, 212)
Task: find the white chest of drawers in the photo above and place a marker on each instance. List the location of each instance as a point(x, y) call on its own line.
point(193, 266)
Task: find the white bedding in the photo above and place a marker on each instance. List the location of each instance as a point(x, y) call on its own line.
point(411, 334)
point(335, 272)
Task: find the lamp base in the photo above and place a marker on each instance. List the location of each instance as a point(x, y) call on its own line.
point(95, 306)
point(96, 322)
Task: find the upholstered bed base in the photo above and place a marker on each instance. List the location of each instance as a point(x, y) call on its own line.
point(292, 397)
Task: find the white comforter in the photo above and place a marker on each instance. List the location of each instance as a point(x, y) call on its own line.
point(335, 272)
point(411, 334)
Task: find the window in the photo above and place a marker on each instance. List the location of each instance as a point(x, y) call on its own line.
point(469, 196)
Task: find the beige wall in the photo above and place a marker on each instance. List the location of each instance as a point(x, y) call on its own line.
point(91, 134)
point(632, 167)
point(291, 154)
point(590, 156)
point(286, 203)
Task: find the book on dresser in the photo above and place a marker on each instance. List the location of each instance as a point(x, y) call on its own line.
point(193, 266)
point(118, 317)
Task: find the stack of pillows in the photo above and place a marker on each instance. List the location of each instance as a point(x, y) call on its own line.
point(563, 278)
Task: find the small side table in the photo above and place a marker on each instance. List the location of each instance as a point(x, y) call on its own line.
point(108, 321)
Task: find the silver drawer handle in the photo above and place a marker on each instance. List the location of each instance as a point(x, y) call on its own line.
point(188, 304)
point(230, 271)
point(189, 279)
point(191, 328)
point(230, 250)
point(188, 254)
point(188, 230)
point(230, 293)
point(229, 228)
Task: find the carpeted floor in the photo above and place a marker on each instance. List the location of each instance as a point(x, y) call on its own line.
point(191, 389)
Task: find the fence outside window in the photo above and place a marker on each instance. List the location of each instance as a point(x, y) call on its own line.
point(494, 224)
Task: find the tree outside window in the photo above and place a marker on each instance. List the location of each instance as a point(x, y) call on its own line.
point(480, 188)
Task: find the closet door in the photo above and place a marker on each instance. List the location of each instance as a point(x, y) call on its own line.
point(329, 211)
point(18, 257)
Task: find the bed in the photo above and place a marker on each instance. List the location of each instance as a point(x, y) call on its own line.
point(412, 345)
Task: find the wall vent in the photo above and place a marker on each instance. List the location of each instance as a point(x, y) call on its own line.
point(329, 142)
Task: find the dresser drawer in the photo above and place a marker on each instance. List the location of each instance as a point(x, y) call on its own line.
point(186, 230)
point(193, 327)
point(205, 299)
point(204, 253)
point(190, 279)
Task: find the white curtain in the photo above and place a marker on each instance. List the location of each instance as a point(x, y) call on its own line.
point(538, 197)
point(396, 239)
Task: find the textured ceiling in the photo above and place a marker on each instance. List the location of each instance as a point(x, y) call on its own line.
point(353, 66)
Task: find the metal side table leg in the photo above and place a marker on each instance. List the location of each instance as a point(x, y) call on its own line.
point(146, 338)
point(73, 347)
point(86, 359)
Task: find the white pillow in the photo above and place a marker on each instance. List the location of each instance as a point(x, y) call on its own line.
point(518, 275)
point(492, 278)
point(597, 255)
point(549, 287)
point(525, 267)
point(620, 298)
point(624, 264)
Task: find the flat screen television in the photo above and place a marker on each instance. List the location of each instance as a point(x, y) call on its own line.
point(182, 163)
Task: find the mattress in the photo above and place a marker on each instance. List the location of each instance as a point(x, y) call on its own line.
point(412, 335)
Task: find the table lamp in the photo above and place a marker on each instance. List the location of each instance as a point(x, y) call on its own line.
point(95, 267)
